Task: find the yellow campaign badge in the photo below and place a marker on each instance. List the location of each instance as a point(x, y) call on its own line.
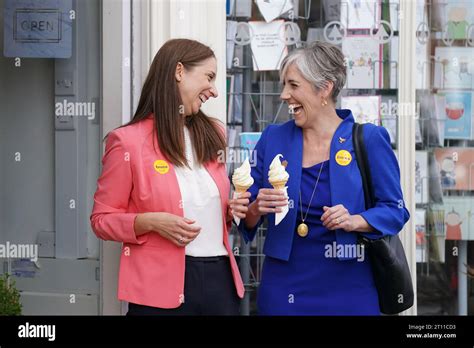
point(343, 157)
point(161, 166)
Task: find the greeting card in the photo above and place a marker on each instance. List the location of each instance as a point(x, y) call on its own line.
point(271, 9)
point(454, 67)
point(421, 177)
point(458, 114)
point(420, 230)
point(357, 14)
point(455, 167)
point(458, 218)
point(268, 47)
point(363, 61)
point(365, 109)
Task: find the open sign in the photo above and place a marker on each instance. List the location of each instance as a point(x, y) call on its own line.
point(37, 26)
point(38, 29)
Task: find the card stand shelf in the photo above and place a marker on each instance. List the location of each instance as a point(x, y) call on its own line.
point(441, 64)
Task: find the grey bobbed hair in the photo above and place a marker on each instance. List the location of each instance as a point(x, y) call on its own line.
point(319, 63)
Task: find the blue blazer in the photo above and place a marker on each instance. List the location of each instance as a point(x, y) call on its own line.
point(387, 217)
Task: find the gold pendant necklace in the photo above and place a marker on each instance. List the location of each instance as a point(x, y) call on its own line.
point(303, 229)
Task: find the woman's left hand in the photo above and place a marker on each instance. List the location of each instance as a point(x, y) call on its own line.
point(338, 217)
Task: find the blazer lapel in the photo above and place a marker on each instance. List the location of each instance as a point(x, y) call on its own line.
point(294, 157)
point(291, 147)
point(163, 183)
point(345, 183)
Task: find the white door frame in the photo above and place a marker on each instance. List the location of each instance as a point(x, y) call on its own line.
point(406, 133)
point(116, 110)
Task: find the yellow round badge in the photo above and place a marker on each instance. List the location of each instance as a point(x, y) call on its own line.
point(161, 166)
point(343, 157)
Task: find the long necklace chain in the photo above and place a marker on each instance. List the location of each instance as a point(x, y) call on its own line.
point(312, 195)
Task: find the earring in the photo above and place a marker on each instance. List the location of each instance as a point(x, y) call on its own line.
point(324, 102)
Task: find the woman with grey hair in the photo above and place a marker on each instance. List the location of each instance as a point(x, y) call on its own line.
point(313, 264)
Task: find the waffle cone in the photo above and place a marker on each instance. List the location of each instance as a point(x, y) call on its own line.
point(279, 185)
point(241, 189)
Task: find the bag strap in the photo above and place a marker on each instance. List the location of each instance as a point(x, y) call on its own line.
point(362, 162)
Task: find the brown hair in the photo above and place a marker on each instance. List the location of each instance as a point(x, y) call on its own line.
point(160, 96)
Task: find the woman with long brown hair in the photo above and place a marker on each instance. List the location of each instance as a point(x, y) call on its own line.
point(164, 194)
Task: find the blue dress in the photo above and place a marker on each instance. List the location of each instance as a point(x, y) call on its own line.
point(314, 281)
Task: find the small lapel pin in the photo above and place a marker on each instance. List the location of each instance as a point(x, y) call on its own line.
point(341, 140)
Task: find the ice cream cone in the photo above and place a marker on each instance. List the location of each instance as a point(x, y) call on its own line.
point(277, 174)
point(279, 185)
point(241, 189)
point(278, 177)
point(241, 178)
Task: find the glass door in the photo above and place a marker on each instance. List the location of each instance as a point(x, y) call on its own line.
point(445, 157)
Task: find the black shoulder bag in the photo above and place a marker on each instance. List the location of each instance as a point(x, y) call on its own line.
point(386, 255)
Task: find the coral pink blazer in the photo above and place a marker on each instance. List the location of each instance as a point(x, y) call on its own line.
point(132, 181)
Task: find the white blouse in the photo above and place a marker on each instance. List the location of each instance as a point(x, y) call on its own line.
point(201, 203)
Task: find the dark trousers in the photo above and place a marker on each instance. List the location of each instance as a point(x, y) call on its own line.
point(208, 290)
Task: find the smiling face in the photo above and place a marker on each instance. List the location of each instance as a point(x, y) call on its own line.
point(304, 102)
point(197, 84)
